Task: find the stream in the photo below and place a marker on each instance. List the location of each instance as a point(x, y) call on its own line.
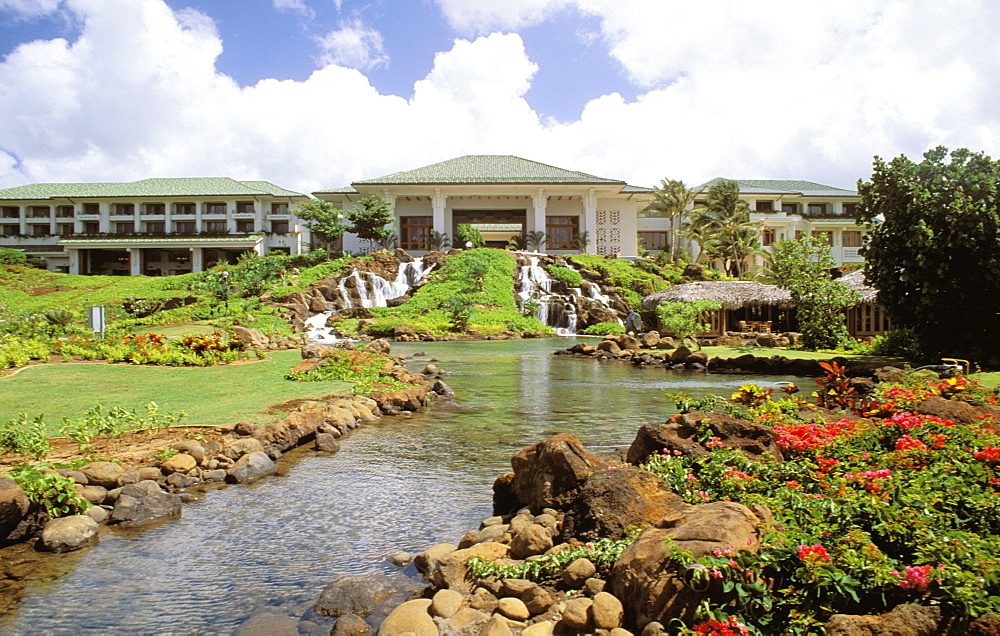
point(404, 484)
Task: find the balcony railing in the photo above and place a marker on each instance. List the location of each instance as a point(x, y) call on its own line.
point(147, 235)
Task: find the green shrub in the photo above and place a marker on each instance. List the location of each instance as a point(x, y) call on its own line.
point(26, 436)
point(604, 329)
point(899, 342)
point(469, 234)
point(9, 256)
point(57, 494)
point(565, 274)
point(116, 420)
point(632, 282)
point(17, 352)
point(367, 371)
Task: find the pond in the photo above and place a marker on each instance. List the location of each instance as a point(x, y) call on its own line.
point(403, 484)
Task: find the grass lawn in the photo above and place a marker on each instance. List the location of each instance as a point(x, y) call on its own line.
point(212, 396)
point(987, 379)
point(793, 354)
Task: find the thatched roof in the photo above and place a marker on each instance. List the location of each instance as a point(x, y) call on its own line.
point(733, 294)
point(736, 294)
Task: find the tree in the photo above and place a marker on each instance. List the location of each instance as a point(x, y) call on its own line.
point(324, 219)
point(933, 250)
point(670, 200)
point(723, 229)
point(467, 233)
point(803, 268)
point(686, 320)
point(369, 219)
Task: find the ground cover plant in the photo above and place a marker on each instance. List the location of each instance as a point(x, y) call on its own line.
point(632, 282)
point(896, 507)
point(367, 371)
point(474, 291)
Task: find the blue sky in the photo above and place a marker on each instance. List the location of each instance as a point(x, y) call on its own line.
point(314, 94)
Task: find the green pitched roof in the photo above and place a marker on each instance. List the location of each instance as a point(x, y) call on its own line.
point(160, 187)
point(497, 169)
point(782, 186)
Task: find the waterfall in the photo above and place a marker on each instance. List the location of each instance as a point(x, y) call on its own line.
point(318, 332)
point(555, 310)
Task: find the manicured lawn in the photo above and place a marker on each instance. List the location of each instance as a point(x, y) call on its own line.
point(794, 354)
point(987, 379)
point(211, 396)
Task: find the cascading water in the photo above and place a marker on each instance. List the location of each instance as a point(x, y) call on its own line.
point(373, 291)
point(555, 310)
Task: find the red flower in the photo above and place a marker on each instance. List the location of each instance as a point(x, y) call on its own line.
point(813, 554)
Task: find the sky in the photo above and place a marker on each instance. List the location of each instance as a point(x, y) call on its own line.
point(315, 94)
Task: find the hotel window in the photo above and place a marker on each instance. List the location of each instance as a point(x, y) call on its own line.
point(65, 229)
point(39, 230)
point(850, 209)
point(64, 212)
point(11, 230)
point(279, 227)
point(185, 227)
point(38, 212)
point(414, 232)
point(653, 241)
point(216, 226)
point(155, 208)
point(767, 236)
point(156, 227)
point(765, 206)
point(851, 238)
point(279, 208)
point(124, 209)
point(790, 208)
point(10, 212)
point(244, 207)
point(184, 208)
point(823, 237)
point(124, 228)
point(215, 208)
point(91, 227)
point(245, 226)
point(817, 209)
point(560, 231)
point(91, 208)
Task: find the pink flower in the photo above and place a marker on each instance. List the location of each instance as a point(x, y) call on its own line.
point(813, 554)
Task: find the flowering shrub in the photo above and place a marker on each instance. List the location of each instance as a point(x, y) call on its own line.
point(872, 513)
point(154, 349)
point(367, 371)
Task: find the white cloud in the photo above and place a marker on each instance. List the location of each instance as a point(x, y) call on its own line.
point(298, 6)
point(732, 92)
point(483, 16)
point(29, 8)
point(353, 45)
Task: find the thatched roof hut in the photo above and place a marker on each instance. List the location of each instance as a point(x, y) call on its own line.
point(733, 294)
point(856, 281)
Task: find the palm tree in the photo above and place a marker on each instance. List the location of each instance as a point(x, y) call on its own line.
point(670, 200)
point(723, 229)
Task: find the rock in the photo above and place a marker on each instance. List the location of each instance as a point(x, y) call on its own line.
point(410, 617)
point(607, 611)
point(650, 340)
point(467, 621)
point(654, 628)
point(532, 540)
point(612, 500)
point(179, 463)
point(428, 560)
point(408, 399)
point(146, 473)
point(214, 475)
point(496, 626)
point(68, 533)
point(358, 594)
point(544, 628)
point(680, 355)
point(483, 600)
point(452, 572)
point(250, 467)
point(249, 336)
point(234, 449)
point(442, 389)
point(142, 502)
point(517, 587)
point(14, 508)
point(192, 448)
point(638, 577)
point(550, 473)
point(269, 624)
point(577, 572)
point(514, 608)
point(400, 559)
point(577, 614)
point(403, 330)
point(911, 620)
point(680, 433)
point(314, 351)
point(958, 411)
point(180, 481)
point(75, 475)
point(696, 358)
point(889, 374)
point(327, 443)
point(538, 600)
point(288, 432)
point(104, 474)
point(350, 625)
point(593, 586)
point(446, 603)
point(504, 498)
point(610, 346)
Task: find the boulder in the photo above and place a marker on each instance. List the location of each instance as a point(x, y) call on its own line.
point(237, 448)
point(327, 443)
point(250, 467)
point(380, 347)
point(356, 594)
point(104, 474)
point(298, 427)
point(577, 572)
point(504, 498)
point(611, 501)
point(537, 599)
point(138, 503)
point(650, 340)
point(496, 626)
point(576, 616)
point(350, 625)
point(408, 399)
point(912, 620)
point(467, 621)
point(93, 494)
point(179, 463)
point(532, 540)
point(269, 624)
point(446, 603)
point(442, 389)
point(427, 561)
point(680, 355)
point(249, 337)
point(959, 411)
point(728, 341)
point(696, 357)
point(610, 346)
point(14, 506)
point(192, 448)
point(638, 577)
point(607, 611)
point(544, 628)
point(680, 433)
point(452, 571)
point(550, 473)
point(410, 617)
point(68, 533)
point(514, 609)
point(314, 351)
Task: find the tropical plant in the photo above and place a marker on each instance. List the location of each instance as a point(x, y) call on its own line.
point(469, 234)
point(534, 240)
point(55, 493)
point(803, 268)
point(437, 241)
point(569, 276)
point(723, 229)
point(369, 219)
point(517, 243)
point(580, 241)
point(26, 436)
point(671, 200)
point(933, 250)
point(388, 242)
point(686, 320)
point(324, 219)
point(604, 329)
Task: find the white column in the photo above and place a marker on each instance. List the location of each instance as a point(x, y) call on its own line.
point(167, 214)
point(23, 219)
point(538, 217)
point(52, 219)
point(198, 207)
point(438, 203)
point(74, 261)
point(135, 260)
point(196, 258)
point(137, 217)
point(590, 219)
point(104, 209)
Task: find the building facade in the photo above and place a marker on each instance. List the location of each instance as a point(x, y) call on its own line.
point(155, 227)
point(504, 197)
